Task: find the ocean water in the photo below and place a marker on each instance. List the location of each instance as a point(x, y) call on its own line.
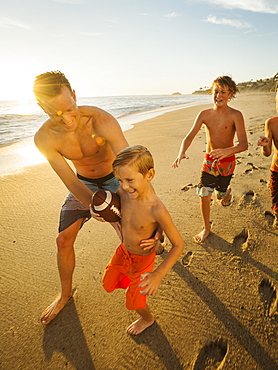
point(19, 120)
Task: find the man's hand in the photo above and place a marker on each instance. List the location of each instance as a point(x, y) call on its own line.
point(96, 216)
point(148, 244)
point(177, 161)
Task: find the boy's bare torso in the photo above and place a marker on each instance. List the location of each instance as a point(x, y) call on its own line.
point(220, 127)
point(85, 147)
point(137, 222)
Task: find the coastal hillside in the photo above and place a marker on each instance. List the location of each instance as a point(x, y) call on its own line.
point(262, 85)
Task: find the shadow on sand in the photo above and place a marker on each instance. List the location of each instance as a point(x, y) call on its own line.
point(66, 337)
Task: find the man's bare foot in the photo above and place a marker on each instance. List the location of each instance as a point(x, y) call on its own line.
point(200, 238)
point(160, 245)
point(226, 201)
point(52, 310)
point(139, 325)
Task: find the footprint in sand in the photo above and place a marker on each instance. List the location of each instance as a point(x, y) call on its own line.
point(240, 241)
point(187, 258)
point(212, 356)
point(269, 217)
point(247, 198)
point(268, 296)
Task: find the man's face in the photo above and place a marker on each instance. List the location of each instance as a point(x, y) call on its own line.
point(62, 109)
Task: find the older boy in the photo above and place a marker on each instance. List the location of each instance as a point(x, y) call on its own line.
point(222, 123)
point(142, 211)
point(271, 137)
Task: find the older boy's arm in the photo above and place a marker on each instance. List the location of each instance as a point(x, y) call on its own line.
point(151, 280)
point(188, 140)
point(242, 140)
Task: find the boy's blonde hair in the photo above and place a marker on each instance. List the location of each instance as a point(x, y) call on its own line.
point(136, 156)
point(226, 81)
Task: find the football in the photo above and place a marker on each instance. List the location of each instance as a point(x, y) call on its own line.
point(107, 204)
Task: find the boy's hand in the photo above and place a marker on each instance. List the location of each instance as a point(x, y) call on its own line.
point(263, 141)
point(177, 161)
point(96, 216)
point(150, 283)
point(220, 153)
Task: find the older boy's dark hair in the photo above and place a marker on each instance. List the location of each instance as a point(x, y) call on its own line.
point(49, 84)
point(136, 156)
point(226, 81)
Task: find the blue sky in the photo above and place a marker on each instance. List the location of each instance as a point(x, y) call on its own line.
point(122, 47)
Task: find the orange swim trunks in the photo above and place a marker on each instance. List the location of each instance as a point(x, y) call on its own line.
point(124, 271)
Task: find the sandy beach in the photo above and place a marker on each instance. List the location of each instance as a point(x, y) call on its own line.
point(216, 307)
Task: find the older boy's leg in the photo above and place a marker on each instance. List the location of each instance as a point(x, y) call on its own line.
point(146, 320)
point(205, 210)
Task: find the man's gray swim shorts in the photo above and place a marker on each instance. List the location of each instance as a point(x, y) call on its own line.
point(72, 209)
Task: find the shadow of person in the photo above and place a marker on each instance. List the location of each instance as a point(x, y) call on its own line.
point(218, 243)
point(233, 325)
point(65, 336)
point(157, 342)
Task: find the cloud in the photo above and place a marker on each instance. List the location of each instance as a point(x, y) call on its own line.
point(227, 22)
point(260, 6)
point(77, 2)
point(7, 22)
point(90, 33)
point(172, 15)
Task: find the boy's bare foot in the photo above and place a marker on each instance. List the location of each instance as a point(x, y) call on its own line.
point(139, 325)
point(226, 201)
point(52, 310)
point(200, 238)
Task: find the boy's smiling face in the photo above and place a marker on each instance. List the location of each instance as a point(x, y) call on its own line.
point(221, 95)
point(132, 181)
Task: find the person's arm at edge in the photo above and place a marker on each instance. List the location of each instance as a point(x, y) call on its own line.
point(266, 141)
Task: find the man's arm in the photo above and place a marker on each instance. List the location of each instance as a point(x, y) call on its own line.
point(63, 170)
point(188, 139)
point(109, 128)
point(241, 136)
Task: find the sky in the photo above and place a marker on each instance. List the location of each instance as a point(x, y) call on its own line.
point(135, 47)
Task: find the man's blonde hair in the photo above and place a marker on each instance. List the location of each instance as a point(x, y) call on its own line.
point(136, 156)
point(226, 81)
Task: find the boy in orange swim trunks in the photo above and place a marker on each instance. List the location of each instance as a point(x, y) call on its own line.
point(222, 123)
point(271, 136)
point(131, 267)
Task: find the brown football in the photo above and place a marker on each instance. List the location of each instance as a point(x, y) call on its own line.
point(107, 204)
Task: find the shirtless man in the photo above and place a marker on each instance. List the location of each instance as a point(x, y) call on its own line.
point(222, 123)
point(271, 137)
point(90, 138)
